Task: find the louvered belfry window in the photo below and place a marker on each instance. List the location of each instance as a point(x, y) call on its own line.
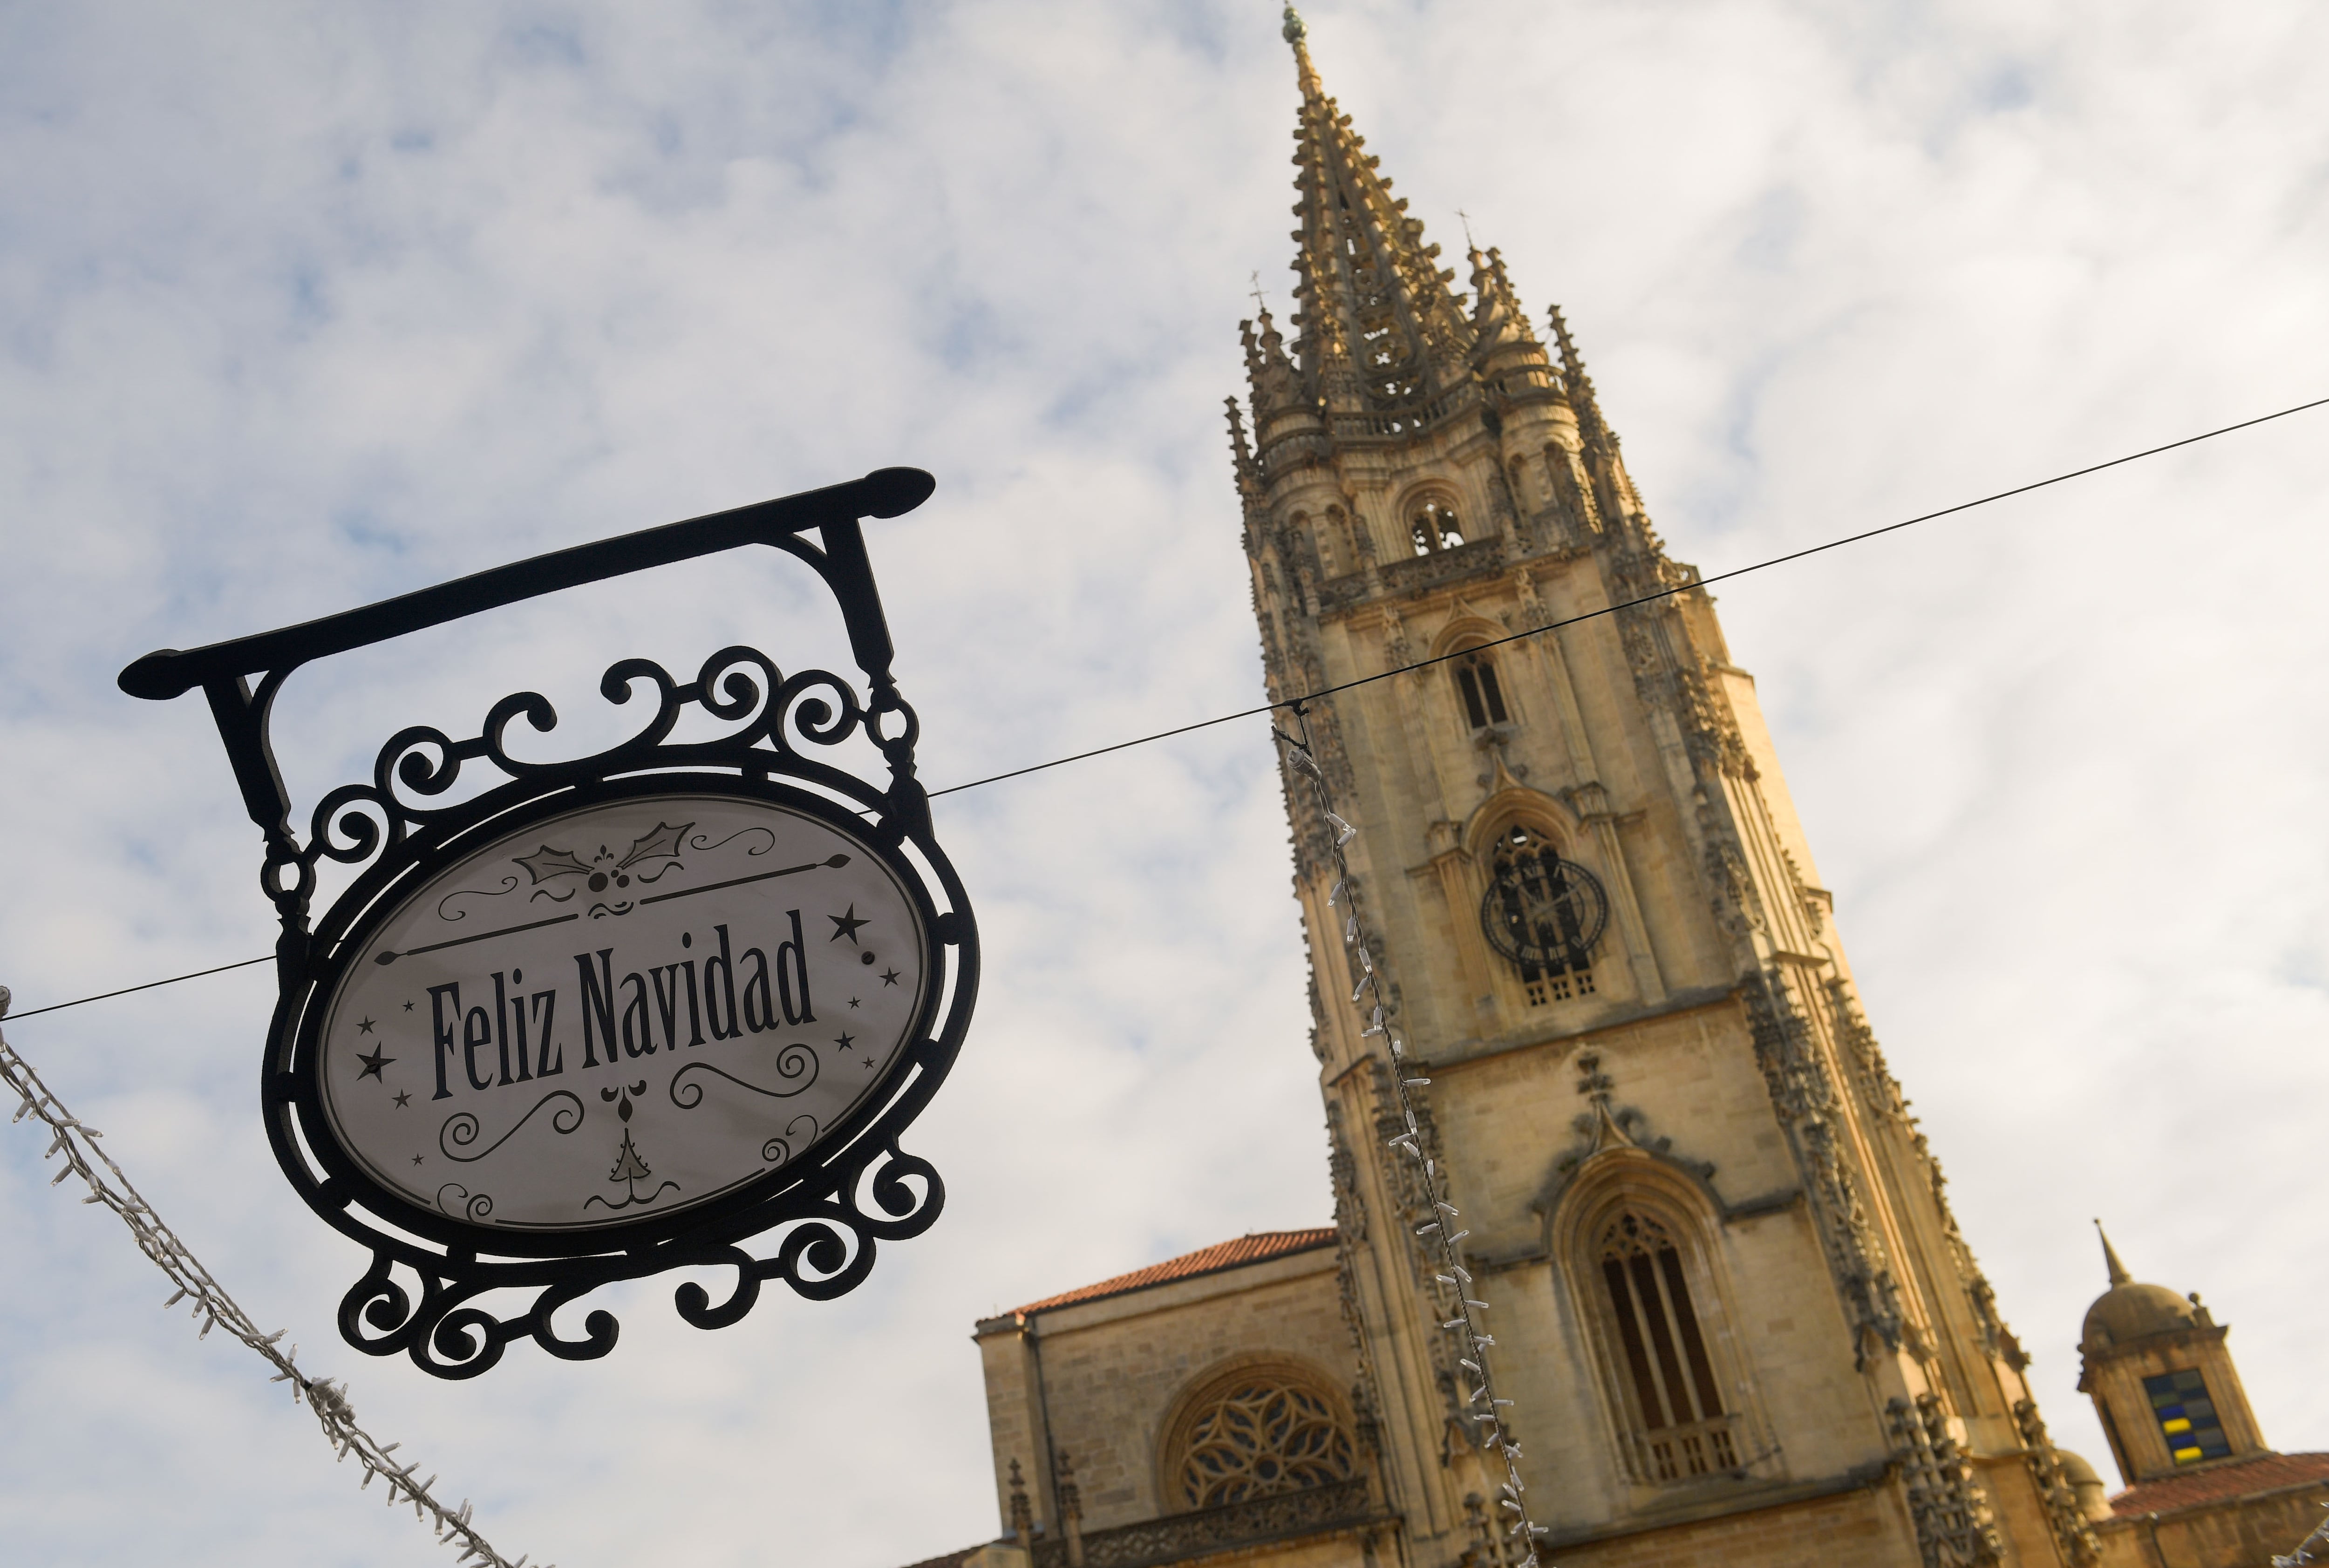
point(1666, 1363)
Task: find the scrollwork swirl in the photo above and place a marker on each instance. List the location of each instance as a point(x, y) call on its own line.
point(826, 718)
point(794, 1062)
point(899, 1190)
point(462, 1127)
point(538, 713)
point(776, 1150)
point(475, 1206)
point(770, 715)
point(726, 693)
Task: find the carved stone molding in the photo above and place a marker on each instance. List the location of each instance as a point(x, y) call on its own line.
point(2072, 1531)
point(1416, 574)
point(1232, 1526)
point(1607, 1127)
point(1955, 1525)
point(1806, 1099)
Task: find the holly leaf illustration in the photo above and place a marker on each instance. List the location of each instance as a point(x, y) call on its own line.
point(546, 863)
point(663, 844)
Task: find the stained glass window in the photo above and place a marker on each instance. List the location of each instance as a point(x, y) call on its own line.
point(2187, 1417)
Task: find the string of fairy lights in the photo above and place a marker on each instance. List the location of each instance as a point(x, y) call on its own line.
point(1480, 1404)
point(81, 1155)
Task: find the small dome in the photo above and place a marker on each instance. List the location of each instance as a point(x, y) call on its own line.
point(2085, 1485)
point(2128, 1310)
point(2132, 1311)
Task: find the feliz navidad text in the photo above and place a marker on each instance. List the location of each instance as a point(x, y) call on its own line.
point(661, 1007)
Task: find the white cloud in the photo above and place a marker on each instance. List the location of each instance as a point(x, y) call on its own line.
point(304, 307)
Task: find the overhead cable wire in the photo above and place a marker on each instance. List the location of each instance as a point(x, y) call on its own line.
point(149, 985)
point(1289, 702)
point(1696, 582)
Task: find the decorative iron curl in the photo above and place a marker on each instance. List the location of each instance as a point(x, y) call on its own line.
point(899, 1208)
point(840, 1253)
point(694, 1303)
point(771, 716)
point(726, 693)
point(825, 1248)
point(598, 1328)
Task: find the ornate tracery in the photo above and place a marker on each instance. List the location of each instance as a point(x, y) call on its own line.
point(1685, 1427)
point(1257, 1433)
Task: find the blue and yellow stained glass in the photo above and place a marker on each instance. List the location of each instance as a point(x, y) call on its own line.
point(2187, 1417)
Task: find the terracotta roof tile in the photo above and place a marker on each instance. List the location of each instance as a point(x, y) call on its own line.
point(1259, 1247)
point(2263, 1472)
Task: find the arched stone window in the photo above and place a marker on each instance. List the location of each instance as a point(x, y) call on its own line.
point(1434, 525)
point(1259, 1431)
point(1475, 684)
point(1683, 1427)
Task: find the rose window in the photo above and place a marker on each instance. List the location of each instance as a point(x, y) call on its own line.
point(1254, 1438)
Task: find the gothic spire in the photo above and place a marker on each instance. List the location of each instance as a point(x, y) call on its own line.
point(2118, 1274)
point(1579, 384)
point(1378, 326)
point(1497, 318)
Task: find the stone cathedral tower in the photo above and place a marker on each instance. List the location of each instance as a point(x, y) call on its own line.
point(1736, 1315)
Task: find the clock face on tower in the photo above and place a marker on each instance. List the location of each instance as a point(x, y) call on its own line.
point(1541, 912)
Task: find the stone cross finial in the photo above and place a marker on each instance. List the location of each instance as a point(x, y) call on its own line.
point(1023, 1515)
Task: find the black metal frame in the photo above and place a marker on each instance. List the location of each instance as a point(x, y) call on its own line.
point(853, 1186)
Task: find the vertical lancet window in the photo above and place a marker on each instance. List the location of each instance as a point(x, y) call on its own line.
point(1475, 683)
point(1685, 1431)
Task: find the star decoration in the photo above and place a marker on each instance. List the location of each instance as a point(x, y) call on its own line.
point(408, 1007)
point(373, 1064)
point(843, 1042)
point(402, 1098)
point(416, 1160)
point(853, 1001)
point(846, 925)
point(889, 977)
point(366, 1028)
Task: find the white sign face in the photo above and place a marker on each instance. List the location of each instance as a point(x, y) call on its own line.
point(621, 1012)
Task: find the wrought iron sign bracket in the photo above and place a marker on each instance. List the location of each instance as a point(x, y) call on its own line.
point(808, 1134)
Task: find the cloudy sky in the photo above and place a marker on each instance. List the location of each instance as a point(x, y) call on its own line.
point(304, 306)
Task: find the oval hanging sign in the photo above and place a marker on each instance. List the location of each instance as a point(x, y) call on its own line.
point(631, 1009)
point(593, 1018)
